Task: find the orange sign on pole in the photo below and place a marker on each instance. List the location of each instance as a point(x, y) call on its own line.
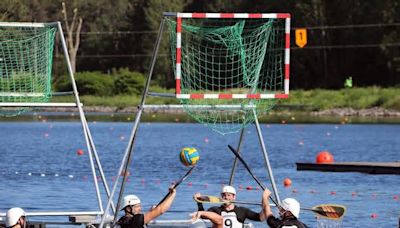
point(301, 37)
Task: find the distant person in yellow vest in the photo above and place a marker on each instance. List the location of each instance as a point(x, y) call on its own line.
point(15, 217)
point(233, 216)
point(348, 83)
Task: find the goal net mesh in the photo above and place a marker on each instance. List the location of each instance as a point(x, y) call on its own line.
point(220, 57)
point(26, 58)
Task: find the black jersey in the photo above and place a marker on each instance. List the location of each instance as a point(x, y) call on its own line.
point(235, 218)
point(290, 222)
point(135, 221)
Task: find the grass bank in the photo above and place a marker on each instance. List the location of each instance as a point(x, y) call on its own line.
point(305, 100)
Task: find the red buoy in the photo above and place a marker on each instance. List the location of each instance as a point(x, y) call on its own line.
point(324, 157)
point(287, 182)
point(79, 152)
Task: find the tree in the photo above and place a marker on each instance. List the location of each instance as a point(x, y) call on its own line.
point(103, 35)
point(73, 28)
point(153, 12)
point(11, 10)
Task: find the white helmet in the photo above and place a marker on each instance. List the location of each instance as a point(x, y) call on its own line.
point(228, 189)
point(292, 205)
point(130, 200)
point(13, 215)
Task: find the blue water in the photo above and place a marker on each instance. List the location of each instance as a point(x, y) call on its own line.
point(41, 171)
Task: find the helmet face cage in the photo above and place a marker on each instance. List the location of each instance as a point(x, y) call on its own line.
point(130, 200)
point(228, 189)
point(291, 205)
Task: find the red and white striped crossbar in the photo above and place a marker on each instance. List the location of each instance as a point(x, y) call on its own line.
point(178, 73)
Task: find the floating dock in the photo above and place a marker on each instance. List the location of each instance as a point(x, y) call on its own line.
point(362, 167)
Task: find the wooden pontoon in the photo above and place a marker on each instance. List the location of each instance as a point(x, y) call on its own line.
point(362, 167)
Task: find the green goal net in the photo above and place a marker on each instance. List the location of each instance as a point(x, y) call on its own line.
point(26, 57)
point(227, 68)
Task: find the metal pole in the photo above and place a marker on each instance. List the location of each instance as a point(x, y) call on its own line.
point(129, 151)
point(99, 166)
point(125, 169)
point(260, 137)
point(81, 114)
point(236, 159)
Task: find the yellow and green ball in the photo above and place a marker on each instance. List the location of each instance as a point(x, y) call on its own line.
point(189, 156)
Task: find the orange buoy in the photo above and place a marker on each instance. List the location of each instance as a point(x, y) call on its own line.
point(79, 152)
point(249, 188)
point(324, 157)
point(287, 182)
point(373, 215)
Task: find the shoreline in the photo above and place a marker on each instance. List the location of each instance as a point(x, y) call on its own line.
point(340, 112)
point(174, 115)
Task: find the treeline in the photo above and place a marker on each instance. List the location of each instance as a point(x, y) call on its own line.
point(352, 38)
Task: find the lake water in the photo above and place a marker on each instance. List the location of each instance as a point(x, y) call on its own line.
point(40, 169)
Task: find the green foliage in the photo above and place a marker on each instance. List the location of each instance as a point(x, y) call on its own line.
point(127, 82)
point(120, 82)
point(22, 82)
point(153, 12)
point(393, 103)
point(11, 10)
point(356, 98)
point(342, 41)
point(307, 100)
point(88, 83)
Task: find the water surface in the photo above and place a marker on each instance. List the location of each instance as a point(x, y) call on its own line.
point(40, 169)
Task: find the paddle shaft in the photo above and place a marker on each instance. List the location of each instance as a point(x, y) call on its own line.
point(250, 172)
point(177, 184)
point(212, 200)
point(261, 185)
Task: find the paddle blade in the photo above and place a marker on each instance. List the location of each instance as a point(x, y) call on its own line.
point(330, 211)
point(209, 199)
